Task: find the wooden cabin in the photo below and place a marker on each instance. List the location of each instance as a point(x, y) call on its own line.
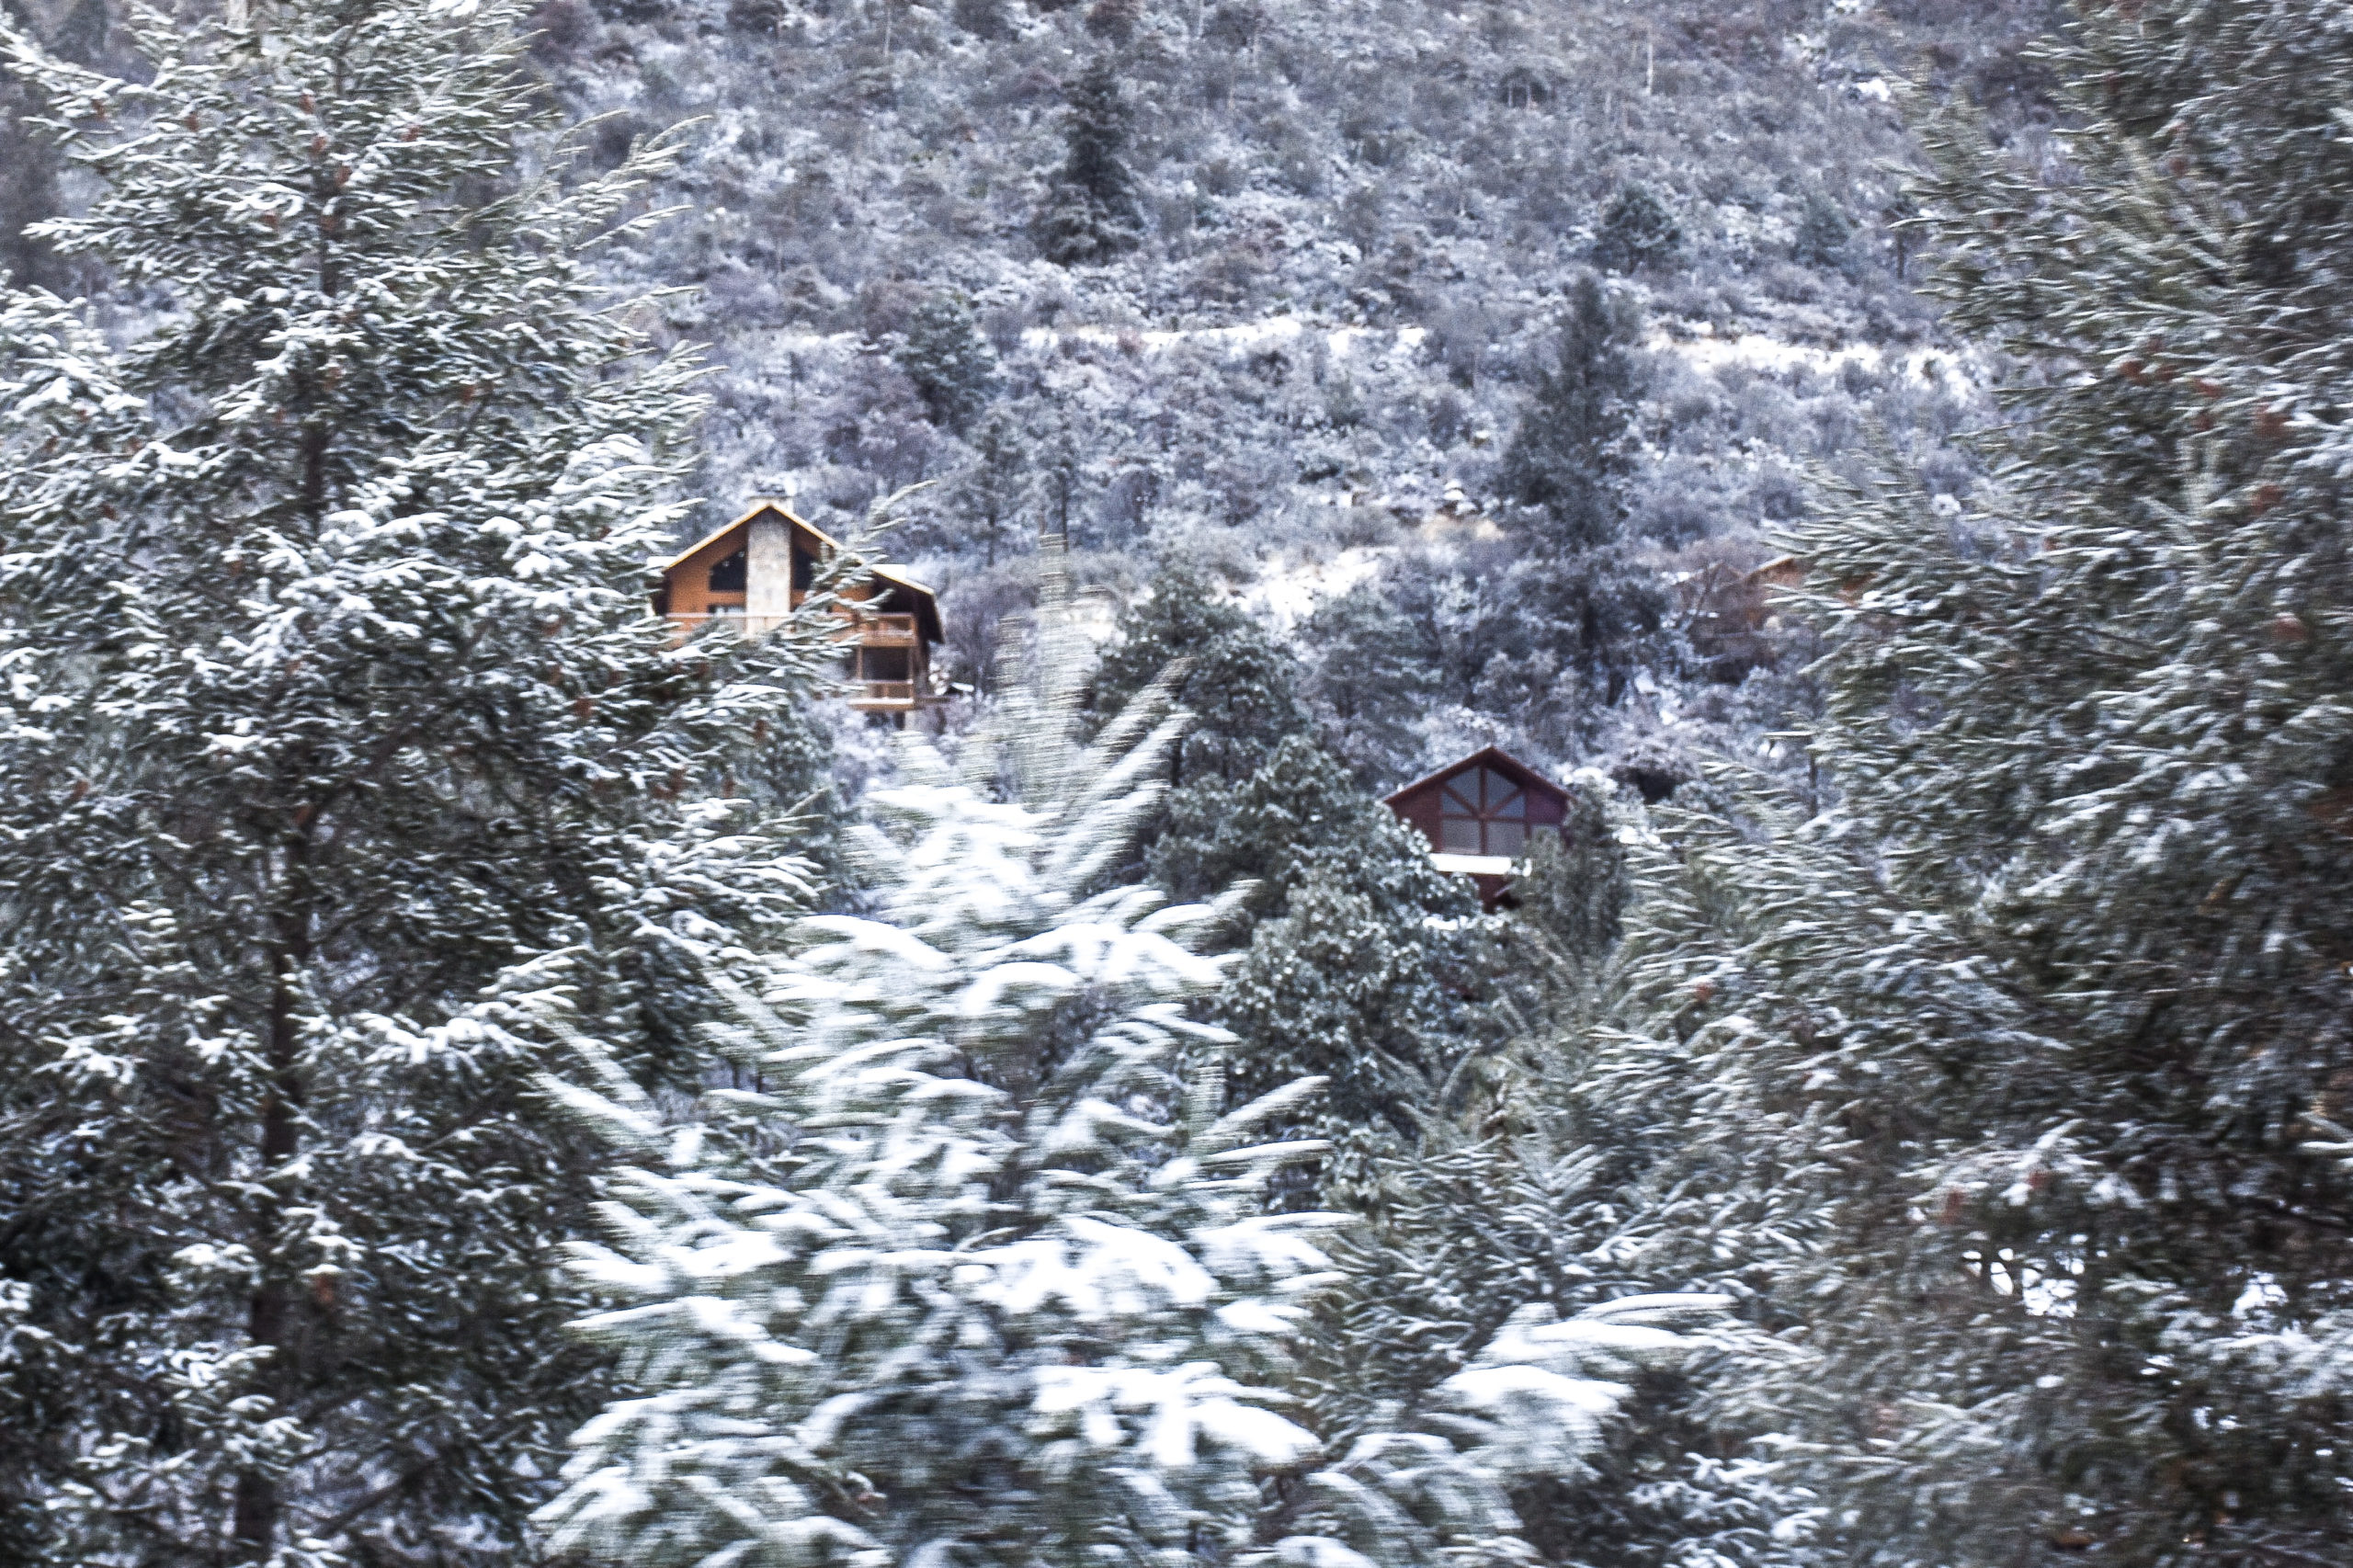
point(750, 575)
point(1478, 815)
point(1730, 615)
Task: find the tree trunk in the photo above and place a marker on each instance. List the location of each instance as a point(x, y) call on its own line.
point(270, 1317)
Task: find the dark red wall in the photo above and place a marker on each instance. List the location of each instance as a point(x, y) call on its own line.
point(1418, 803)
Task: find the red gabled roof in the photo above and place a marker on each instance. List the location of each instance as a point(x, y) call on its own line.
point(1496, 757)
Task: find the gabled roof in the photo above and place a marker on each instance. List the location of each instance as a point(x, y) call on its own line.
point(927, 602)
point(1496, 757)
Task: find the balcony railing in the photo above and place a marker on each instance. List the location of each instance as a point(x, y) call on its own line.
point(869, 629)
point(886, 694)
point(741, 625)
point(880, 630)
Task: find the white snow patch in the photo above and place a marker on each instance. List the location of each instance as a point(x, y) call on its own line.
point(1962, 370)
point(1241, 338)
point(1476, 865)
point(1287, 596)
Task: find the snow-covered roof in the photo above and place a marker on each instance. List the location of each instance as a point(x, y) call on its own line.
point(1475, 865)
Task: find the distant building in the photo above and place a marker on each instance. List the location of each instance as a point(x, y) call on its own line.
point(1478, 815)
point(751, 574)
point(1730, 615)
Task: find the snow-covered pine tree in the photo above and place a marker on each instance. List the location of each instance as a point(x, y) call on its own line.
point(997, 490)
point(1235, 680)
point(2003, 1083)
point(1090, 215)
point(1506, 1207)
point(980, 1273)
point(1571, 452)
point(332, 697)
point(1363, 955)
point(1369, 681)
point(1367, 965)
point(1636, 232)
point(948, 359)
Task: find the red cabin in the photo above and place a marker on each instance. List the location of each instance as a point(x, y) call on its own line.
point(1478, 814)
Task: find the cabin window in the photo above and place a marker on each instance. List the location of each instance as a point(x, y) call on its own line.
point(1481, 812)
point(886, 663)
point(727, 574)
point(804, 570)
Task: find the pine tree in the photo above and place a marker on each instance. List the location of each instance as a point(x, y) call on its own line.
point(2006, 1084)
point(982, 1275)
point(338, 743)
point(1065, 475)
point(1369, 680)
point(996, 490)
point(1637, 232)
point(1364, 964)
point(951, 365)
point(1362, 957)
point(1090, 213)
point(1824, 235)
point(1570, 455)
point(1505, 1206)
point(981, 18)
point(1237, 681)
point(1548, 642)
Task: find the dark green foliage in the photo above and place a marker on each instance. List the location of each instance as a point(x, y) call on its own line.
point(1370, 676)
point(2015, 1079)
point(996, 492)
point(1508, 1196)
point(1345, 975)
point(1090, 213)
point(981, 18)
point(951, 365)
point(1341, 985)
point(1237, 682)
point(1574, 893)
point(1570, 455)
point(1298, 814)
point(1553, 640)
point(358, 759)
point(28, 195)
point(1637, 232)
point(1826, 235)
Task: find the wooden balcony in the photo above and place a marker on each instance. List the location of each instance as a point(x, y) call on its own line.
point(868, 630)
point(741, 625)
point(880, 630)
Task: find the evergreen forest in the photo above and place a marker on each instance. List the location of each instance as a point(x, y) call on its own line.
point(968, 1051)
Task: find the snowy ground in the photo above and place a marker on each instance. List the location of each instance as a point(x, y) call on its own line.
point(1698, 346)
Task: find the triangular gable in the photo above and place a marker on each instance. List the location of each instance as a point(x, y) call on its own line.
point(1501, 761)
point(926, 608)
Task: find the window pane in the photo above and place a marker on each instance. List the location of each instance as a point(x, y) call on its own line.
point(1462, 794)
point(1505, 839)
point(887, 663)
point(1459, 836)
point(1516, 807)
point(727, 574)
point(1497, 787)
